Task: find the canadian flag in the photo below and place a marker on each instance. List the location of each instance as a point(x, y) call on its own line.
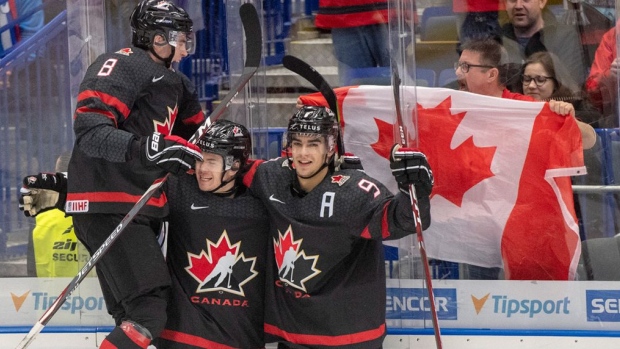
point(502, 194)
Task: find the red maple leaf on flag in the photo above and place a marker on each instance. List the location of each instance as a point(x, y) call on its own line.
point(202, 265)
point(386, 139)
point(455, 170)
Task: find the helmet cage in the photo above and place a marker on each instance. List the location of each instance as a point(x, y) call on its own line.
point(184, 38)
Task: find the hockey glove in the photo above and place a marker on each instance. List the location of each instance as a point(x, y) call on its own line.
point(170, 153)
point(43, 192)
point(351, 162)
point(410, 166)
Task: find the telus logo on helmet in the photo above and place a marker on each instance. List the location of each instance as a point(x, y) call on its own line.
point(305, 127)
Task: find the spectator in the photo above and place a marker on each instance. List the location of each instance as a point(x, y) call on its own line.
point(359, 33)
point(533, 28)
point(53, 248)
point(480, 19)
point(479, 70)
point(602, 83)
point(547, 81)
point(29, 22)
point(541, 82)
point(327, 227)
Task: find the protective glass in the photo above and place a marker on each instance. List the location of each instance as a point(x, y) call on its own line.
point(311, 143)
point(186, 39)
point(539, 80)
point(211, 164)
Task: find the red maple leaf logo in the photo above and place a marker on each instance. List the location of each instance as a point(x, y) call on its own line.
point(200, 266)
point(455, 170)
point(166, 126)
point(285, 243)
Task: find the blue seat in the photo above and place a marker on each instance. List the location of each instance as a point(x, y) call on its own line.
point(425, 77)
point(267, 142)
point(438, 23)
point(446, 77)
point(435, 11)
point(383, 76)
point(368, 76)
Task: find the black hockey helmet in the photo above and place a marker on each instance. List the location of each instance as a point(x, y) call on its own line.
point(160, 17)
point(314, 120)
point(229, 139)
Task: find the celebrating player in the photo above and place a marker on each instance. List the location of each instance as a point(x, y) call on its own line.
point(326, 280)
point(216, 245)
point(216, 249)
point(128, 103)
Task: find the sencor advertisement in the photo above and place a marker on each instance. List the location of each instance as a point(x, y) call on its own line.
point(603, 305)
point(519, 305)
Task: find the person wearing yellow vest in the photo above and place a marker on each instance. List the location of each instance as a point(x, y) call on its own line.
point(53, 248)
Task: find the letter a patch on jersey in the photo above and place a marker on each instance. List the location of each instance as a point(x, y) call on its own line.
point(223, 267)
point(294, 267)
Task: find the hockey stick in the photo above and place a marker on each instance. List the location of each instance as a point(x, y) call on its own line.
point(307, 72)
point(402, 131)
point(253, 41)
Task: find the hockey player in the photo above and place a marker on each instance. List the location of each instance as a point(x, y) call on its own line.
point(216, 245)
point(326, 280)
point(216, 249)
point(128, 103)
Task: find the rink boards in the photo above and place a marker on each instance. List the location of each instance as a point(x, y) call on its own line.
point(472, 314)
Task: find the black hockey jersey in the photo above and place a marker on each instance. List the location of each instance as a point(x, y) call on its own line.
point(216, 255)
point(326, 278)
point(125, 95)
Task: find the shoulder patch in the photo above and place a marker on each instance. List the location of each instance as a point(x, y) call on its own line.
point(340, 179)
point(125, 51)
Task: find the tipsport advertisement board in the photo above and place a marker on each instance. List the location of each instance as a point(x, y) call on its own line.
point(471, 304)
point(474, 304)
point(24, 300)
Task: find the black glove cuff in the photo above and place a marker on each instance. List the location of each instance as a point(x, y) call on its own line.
point(133, 149)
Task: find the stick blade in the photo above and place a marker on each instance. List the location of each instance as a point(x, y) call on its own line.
point(253, 35)
point(307, 72)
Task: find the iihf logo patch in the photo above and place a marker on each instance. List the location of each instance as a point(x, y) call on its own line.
point(340, 179)
point(125, 51)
